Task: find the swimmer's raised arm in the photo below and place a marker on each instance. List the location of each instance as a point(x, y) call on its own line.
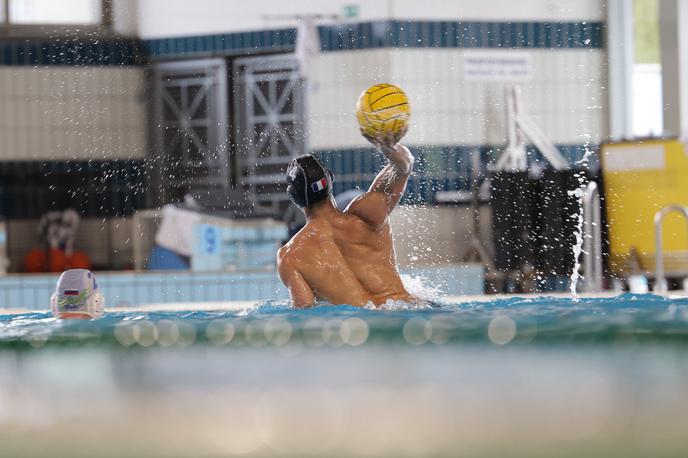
point(388, 186)
point(301, 294)
point(393, 177)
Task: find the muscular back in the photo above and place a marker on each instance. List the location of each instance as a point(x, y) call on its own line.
point(348, 257)
point(344, 259)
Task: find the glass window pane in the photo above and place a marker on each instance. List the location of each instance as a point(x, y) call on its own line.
point(55, 12)
point(647, 70)
point(2, 12)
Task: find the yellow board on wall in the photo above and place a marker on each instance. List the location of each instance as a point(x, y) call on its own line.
point(640, 178)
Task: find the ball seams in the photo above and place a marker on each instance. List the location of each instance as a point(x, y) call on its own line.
point(378, 87)
point(386, 119)
point(383, 96)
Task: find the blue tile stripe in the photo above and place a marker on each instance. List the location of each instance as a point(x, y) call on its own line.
point(241, 43)
point(353, 36)
point(446, 168)
point(452, 34)
point(37, 53)
point(125, 289)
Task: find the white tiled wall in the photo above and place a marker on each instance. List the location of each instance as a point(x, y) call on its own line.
point(61, 113)
point(565, 97)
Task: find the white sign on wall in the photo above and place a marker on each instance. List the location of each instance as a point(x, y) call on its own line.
point(497, 66)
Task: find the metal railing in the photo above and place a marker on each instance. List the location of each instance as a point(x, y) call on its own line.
point(592, 238)
point(660, 279)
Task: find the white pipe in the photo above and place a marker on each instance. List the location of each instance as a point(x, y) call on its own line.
point(592, 238)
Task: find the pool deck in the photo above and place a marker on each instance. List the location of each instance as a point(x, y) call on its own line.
point(243, 305)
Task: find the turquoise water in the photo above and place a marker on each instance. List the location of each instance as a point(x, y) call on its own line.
point(499, 322)
point(510, 377)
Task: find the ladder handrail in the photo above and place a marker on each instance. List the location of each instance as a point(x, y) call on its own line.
point(660, 279)
point(592, 238)
point(521, 128)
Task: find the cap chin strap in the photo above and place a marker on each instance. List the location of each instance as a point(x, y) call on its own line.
point(93, 308)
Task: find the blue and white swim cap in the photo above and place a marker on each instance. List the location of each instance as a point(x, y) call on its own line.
point(77, 295)
point(308, 181)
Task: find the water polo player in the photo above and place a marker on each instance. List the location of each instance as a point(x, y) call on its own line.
point(345, 257)
point(77, 296)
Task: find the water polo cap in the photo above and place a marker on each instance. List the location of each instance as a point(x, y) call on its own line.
point(77, 294)
point(308, 182)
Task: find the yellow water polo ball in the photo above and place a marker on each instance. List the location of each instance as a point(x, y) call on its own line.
point(383, 110)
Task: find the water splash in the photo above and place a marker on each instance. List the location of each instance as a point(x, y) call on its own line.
point(422, 288)
point(577, 248)
point(587, 154)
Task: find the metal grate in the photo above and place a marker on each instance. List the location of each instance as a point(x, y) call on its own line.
point(270, 128)
point(190, 133)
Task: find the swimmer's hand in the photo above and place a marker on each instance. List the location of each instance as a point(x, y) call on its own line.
point(399, 156)
point(385, 142)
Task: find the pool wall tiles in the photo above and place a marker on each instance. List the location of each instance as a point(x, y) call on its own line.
point(565, 96)
point(86, 100)
point(33, 292)
point(60, 113)
point(389, 34)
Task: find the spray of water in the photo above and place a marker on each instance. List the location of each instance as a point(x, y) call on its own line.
point(578, 246)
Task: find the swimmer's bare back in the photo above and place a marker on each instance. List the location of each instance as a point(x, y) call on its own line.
point(348, 257)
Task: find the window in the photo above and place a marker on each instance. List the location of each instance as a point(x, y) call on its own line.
point(53, 12)
point(647, 70)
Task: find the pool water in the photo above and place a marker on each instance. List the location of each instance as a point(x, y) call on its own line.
point(511, 377)
point(501, 321)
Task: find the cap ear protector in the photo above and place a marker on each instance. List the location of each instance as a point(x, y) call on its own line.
point(308, 181)
point(77, 295)
point(330, 180)
point(93, 308)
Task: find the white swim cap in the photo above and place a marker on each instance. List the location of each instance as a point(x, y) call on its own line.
point(77, 295)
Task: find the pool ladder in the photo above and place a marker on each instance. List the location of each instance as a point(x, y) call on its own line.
point(660, 279)
point(592, 239)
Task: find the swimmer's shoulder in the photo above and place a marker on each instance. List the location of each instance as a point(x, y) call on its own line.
point(287, 258)
point(369, 208)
